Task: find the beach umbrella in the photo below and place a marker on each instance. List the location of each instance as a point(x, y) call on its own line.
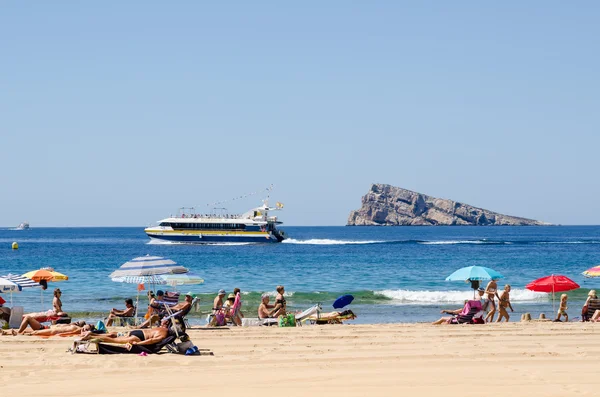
point(592, 272)
point(474, 274)
point(7, 286)
point(45, 274)
point(342, 301)
point(148, 265)
point(181, 279)
point(553, 283)
point(23, 282)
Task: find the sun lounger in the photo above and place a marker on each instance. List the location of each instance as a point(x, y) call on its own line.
point(332, 318)
point(471, 309)
point(312, 311)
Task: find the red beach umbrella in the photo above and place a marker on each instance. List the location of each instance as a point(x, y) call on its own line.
point(553, 283)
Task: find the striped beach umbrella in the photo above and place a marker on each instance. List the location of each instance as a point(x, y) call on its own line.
point(20, 281)
point(23, 282)
point(148, 266)
point(7, 286)
point(152, 279)
point(592, 272)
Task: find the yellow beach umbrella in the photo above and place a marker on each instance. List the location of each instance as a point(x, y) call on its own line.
point(592, 272)
point(46, 274)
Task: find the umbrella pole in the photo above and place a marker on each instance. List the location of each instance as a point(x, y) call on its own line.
point(553, 309)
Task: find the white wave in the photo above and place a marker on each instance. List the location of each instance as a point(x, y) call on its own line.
point(326, 241)
point(408, 297)
point(448, 242)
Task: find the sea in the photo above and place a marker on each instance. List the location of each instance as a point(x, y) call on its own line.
point(396, 274)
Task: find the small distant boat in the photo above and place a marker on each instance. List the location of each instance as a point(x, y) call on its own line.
point(23, 226)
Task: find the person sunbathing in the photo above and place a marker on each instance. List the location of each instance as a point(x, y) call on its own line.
point(114, 313)
point(465, 309)
point(38, 329)
point(134, 337)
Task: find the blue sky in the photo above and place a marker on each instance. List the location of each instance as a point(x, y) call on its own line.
point(117, 113)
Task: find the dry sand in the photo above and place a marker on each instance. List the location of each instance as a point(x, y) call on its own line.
point(543, 359)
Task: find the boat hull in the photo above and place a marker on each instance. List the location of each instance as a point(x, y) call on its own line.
point(213, 238)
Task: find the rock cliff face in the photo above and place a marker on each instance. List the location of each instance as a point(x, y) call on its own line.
point(386, 205)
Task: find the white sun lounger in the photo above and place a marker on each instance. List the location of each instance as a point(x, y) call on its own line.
point(310, 312)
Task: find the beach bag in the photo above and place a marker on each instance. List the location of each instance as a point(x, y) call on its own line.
point(288, 320)
point(100, 327)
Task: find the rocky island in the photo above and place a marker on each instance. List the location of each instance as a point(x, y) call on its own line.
point(386, 205)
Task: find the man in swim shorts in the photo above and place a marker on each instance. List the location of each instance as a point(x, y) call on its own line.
point(134, 337)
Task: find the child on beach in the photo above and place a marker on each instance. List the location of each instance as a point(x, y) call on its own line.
point(562, 309)
point(503, 303)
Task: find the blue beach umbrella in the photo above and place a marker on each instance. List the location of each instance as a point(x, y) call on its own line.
point(474, 273)
point(342, 301)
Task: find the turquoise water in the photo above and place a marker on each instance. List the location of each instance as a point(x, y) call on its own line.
point(396, 273)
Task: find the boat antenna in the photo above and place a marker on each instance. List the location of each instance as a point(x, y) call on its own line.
point(260, 191)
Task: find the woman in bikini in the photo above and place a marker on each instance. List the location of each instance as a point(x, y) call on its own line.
point(56, 302)
point(491, 292)
point(280, 303)
point(503, 303)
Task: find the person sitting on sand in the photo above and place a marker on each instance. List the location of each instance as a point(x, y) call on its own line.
point(263, 308)
point(491, 291)
point(128, 312)
point(280, 304)
point(503, 303)
point(585, 316)
point(134, 337)
point(562, 309)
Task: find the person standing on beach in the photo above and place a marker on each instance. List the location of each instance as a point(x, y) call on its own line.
point(56, 302)
point(503, 303)
point(218, 302)
point(490, 291)
point(562, 309)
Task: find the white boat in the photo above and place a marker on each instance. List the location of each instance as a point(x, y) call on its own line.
point(255, 226)
point(23, 226)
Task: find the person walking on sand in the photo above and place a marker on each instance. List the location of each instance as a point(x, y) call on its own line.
point(490, 291)
point(503, 303)
point(562, 309)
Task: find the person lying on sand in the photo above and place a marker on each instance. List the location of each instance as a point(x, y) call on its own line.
point(42, 330)
point(130, 338)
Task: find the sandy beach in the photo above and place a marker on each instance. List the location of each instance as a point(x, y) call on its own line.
point(548, 359)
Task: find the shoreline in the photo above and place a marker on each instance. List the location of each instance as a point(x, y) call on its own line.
point(355, 360)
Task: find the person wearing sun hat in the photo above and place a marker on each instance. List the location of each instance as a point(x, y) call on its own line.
point(218, 302)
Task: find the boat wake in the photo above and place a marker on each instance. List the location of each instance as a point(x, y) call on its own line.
point(326, 241)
